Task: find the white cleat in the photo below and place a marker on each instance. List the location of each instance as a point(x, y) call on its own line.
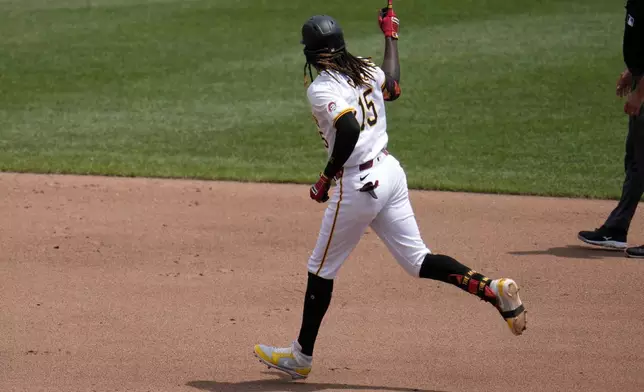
point(290, 360)
point(509, 304)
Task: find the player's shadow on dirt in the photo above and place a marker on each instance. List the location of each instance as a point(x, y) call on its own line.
point(573, 252)
point(285, 383)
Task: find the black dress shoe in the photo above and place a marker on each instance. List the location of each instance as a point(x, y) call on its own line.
point(636, 252)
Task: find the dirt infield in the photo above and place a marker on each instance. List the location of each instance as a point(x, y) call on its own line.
point(150, 285)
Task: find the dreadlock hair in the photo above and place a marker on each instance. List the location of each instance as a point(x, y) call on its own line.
point(358, 69)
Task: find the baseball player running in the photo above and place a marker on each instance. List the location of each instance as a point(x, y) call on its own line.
point(348, 103)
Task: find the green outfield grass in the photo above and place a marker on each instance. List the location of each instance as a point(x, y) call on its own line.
point(498, 95)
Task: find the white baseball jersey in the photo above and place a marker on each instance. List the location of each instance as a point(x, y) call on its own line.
point(351, 211)
point(332, 95)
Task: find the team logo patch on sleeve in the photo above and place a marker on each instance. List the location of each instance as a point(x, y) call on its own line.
point(331, 107)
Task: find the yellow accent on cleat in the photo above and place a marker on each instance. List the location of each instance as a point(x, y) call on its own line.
point(509, 304)
point(283, 360)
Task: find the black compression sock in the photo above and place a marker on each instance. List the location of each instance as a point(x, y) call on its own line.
point(316, 303)
point(447, 269)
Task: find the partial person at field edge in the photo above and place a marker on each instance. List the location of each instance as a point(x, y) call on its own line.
point(613, 233)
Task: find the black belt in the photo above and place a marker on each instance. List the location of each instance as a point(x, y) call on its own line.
point(363, 166)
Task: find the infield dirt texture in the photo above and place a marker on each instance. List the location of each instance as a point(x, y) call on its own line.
point(136, 285)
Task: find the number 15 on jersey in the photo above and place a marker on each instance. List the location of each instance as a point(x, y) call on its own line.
point(368, 109)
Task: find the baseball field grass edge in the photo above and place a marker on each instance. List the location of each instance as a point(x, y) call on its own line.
point(498, 97)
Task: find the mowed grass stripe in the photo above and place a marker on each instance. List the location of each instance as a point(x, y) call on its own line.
point(537, 114)
point(496, 97)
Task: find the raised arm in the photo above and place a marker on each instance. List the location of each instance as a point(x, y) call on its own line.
point(391, 64)
point(389, 24)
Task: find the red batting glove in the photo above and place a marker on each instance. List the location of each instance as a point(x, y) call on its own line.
point(320, 190)
point(388, 21)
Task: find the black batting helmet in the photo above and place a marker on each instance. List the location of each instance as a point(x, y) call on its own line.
point(321, 34)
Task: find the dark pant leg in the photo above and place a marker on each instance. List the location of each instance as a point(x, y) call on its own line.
point(633, 187)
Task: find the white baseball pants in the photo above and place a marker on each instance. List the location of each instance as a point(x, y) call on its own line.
point(350, 212)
